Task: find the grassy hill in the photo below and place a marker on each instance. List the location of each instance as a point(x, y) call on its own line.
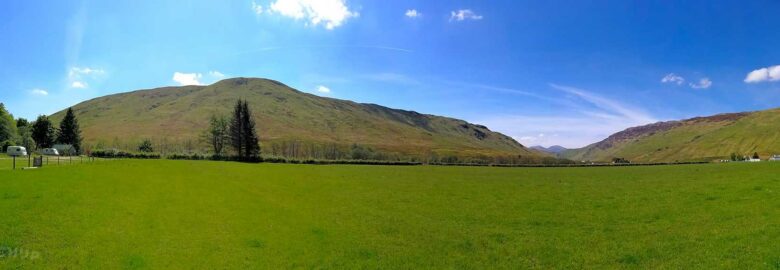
point(177, 115)
point(701, 138)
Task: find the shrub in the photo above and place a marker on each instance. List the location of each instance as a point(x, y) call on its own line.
point(121, 154)
point(146, 146)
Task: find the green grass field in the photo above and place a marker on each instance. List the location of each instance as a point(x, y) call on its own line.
point(219, 215)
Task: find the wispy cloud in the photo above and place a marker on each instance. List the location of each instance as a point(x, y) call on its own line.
point(673, 78)
point(389, 77)
point(412, 13)
point(464, 14)
point(81, 71)
point(570, 131)
point(39, 92)
point(187, 78)
point(703, 83)
point(587, 119)
point(532, 140)
point(278, 48)
point(330, 13)
point(615, 108)
point(75, 35)
point(502, 89)
point(217, 75)
point(318, 79)
point(767, 74)
point(258, 9)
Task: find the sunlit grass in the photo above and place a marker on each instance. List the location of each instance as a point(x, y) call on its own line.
point(200, 214)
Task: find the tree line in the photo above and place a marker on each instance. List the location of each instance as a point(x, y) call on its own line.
point(39, 134)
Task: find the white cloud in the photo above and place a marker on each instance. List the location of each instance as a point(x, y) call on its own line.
point(78, 84)
point(331, 13)
point(77, 76)
point(673, 78)
point(77, 72)
point(703, 83)
point(258, 9)
point(464, 14)
point(217, 74)
point(527, 139)
point(39, 92)
point(323, 89)
point(412, 13)
point(770, 74)
point(187, 78)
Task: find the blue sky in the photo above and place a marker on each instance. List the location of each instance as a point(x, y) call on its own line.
point(544, 72)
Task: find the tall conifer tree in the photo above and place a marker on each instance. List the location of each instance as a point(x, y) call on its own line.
point(251, 142)
point(70, 132)
point(237, 130)
point(243, 136)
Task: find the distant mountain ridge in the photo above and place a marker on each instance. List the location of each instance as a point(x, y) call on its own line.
point(696, 139)
point(555, 149)
point(283, 114)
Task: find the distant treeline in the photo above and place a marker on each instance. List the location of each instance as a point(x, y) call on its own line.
point(300, 152)
point(122, 154)
point(549, 163)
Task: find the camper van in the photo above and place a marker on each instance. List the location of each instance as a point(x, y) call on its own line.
point(50, 152)
point(16, 151)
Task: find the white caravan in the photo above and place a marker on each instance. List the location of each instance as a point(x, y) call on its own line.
point(16, 151)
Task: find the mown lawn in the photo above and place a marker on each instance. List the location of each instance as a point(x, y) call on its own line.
point(219, 215)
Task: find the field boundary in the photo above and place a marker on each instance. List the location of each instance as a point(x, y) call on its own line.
point(410, 163)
